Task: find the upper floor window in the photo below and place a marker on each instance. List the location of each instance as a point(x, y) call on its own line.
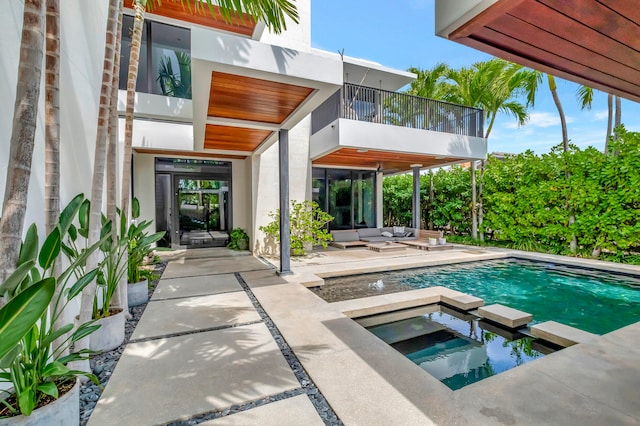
point(165, 67)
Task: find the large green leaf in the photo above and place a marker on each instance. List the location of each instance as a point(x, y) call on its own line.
point(83, 218)
point(135, 208)
point(29, 247)
point(21, 313)
point(50, 249)
point(57, 333)
point(48, 388)
point(69, 213)
point(11, 283)
point(84, 281)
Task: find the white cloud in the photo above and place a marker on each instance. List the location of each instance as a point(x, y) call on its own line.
point(539, 119)
point(600, 115)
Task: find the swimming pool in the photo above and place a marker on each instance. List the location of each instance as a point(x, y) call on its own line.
point(593, 301)
point(456, 348)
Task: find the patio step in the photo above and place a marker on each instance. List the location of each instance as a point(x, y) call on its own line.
point(560, 334)
point(505, 315)
point(464, 302)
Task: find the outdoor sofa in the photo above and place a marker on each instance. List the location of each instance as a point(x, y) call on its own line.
point(365, 236)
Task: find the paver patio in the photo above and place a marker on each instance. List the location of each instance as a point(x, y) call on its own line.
point(365, 381)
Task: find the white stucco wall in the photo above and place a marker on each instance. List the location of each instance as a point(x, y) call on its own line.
point(297, 36)
point(82, 49)
point(265, 183)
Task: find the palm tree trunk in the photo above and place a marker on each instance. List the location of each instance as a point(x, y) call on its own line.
point(120, 295)
point(573, 244)
point(618, 119)
point(52, 139)
point(25, 114)
point(474, 206)
point(99, 164)
point(480, 201)
point(52, 117)
point(609, 122)
point(134, 58)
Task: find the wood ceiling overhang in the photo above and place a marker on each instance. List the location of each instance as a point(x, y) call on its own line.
point(388, 161)
point(594, 43)
point(255, 102)
point(201, 16)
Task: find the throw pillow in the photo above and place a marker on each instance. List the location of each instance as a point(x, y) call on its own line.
point(386, 234)
point(398, 234)
point(408, 234)
point(397, 229)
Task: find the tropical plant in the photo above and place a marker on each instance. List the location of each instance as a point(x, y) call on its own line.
point(238, 239)
point(35, 366)
point(99, 161)
point(139, 243)
point(308, 225)
point(175, 84)
point(25, 114)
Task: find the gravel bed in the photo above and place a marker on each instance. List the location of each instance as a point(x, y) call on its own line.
point(102, 365)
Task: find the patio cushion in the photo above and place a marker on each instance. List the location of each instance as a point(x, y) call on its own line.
point(386, 234)
point(369, 232)
point(343, 236)
point(377, 239)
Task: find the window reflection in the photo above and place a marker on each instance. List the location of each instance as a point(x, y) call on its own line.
point(347, 195)
point(165, 69)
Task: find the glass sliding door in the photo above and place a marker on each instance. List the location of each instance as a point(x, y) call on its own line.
point(202, 211)
point(347, 195)
point(364, 208)
point(193, 202)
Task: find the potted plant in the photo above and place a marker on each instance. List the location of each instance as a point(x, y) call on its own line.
point(109, 272)
point(308, 226)
point(44, 390)
point(238, 239)
point(139, 246)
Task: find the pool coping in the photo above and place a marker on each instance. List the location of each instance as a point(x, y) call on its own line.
point(368, 382)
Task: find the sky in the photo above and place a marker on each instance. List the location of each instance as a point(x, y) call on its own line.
point(400, 34)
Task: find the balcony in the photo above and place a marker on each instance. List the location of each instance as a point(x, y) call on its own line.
point(366, 127)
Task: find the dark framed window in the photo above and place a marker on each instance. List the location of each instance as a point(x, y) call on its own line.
point(164, 67)
point(347, 195)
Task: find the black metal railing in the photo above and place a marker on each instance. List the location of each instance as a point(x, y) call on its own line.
point(399, 109)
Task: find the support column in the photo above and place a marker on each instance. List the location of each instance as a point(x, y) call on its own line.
point(416, 196)
point(285, 233)
point(379, 200)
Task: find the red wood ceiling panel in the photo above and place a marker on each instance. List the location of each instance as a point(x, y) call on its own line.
point(230, 138)
point(594, 43)
point(389, 161)
point(245, 98)
point(201, 16)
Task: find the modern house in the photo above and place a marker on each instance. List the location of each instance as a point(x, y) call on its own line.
point(233, 121)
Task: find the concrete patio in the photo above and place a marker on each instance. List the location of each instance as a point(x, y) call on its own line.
point(202, 346)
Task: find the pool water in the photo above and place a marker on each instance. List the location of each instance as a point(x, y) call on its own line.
point(592, 301)
point(457, 351)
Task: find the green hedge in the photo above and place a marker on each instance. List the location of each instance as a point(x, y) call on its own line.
point(528, 198)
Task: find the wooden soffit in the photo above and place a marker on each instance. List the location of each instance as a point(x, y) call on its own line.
point(231, 138)
point(202, 15)
point(171, 152)
point(251, 99)
point(594, 43)
point(389, 162)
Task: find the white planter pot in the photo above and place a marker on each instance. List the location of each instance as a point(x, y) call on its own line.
point(110, 335)
point(433, 241)
point(138, 293)
point(64, 411)
point(442, 241)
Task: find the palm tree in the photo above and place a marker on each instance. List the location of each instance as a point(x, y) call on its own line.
point(99, 162)
point(496, 86)
point(573, 244)
point(22, 135)
point(52, 117)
